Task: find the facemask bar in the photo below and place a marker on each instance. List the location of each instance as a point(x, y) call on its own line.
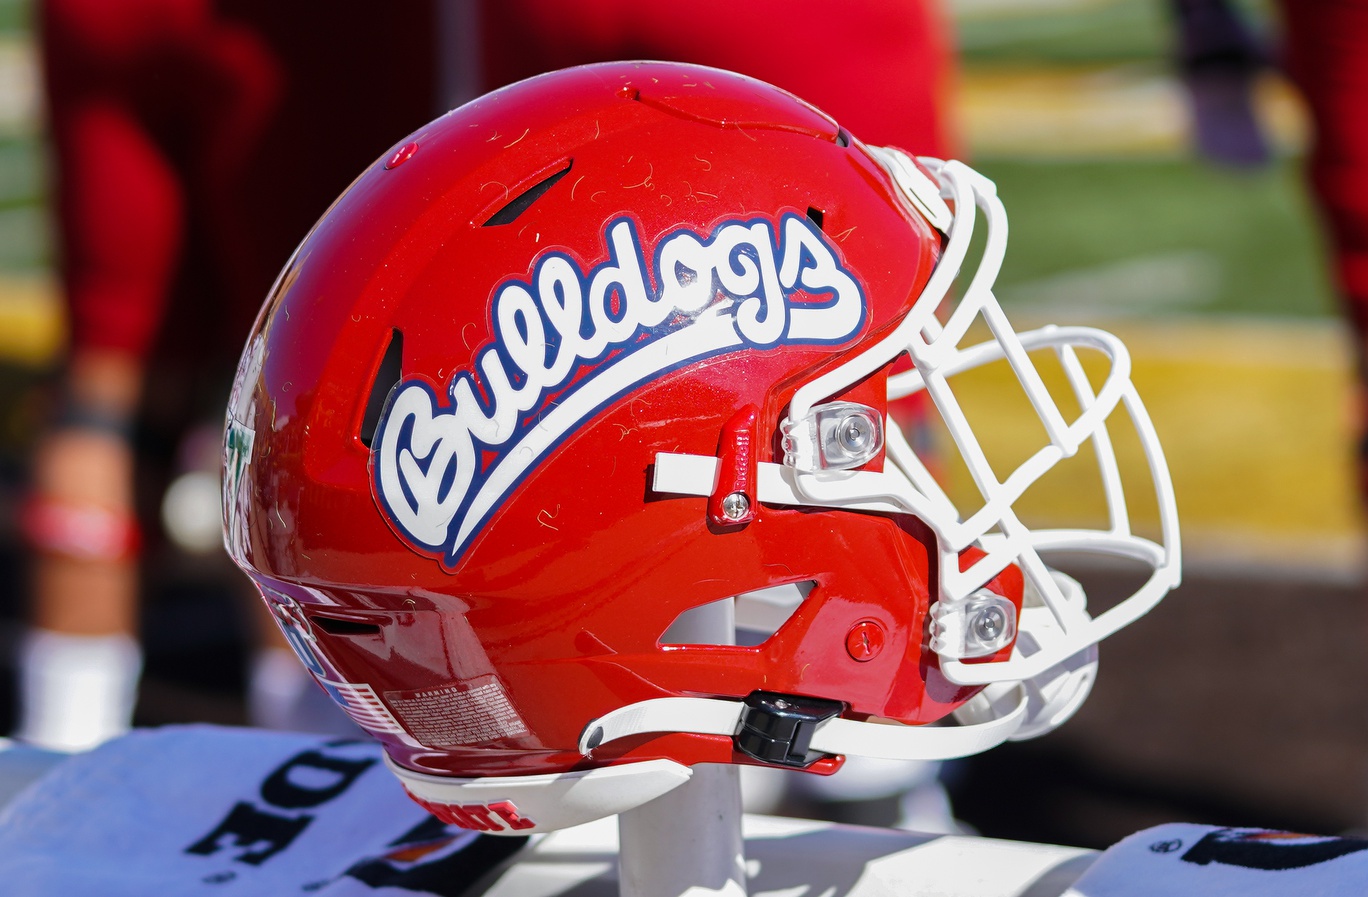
point(995, 528)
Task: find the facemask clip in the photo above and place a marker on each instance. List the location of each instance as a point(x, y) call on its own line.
point(980, 625)
point(833, 436)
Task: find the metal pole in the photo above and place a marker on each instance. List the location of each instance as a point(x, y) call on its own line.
point(688, 841)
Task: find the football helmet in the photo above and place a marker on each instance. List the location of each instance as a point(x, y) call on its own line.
point(584, 371)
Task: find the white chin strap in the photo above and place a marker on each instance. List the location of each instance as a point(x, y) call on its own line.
point(525, 805)
point(891, 741)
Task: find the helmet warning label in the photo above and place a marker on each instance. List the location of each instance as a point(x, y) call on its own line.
point(455, 715)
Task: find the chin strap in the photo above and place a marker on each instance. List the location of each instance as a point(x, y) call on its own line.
point(1002, 717)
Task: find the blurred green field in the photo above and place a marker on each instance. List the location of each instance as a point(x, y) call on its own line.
point(1195, 239)
point(1136, 221)
point(25, 243)
point(1061, 32)
point(1065, 32)
point(15, 16)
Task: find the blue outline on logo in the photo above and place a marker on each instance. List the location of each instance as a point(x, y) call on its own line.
point(488, 401)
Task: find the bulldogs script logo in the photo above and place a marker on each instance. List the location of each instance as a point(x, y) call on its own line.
point(629, 323)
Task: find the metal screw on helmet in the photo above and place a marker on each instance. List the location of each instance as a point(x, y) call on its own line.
point(736, 505)
point(849, 434)
point(855, 434)
point(989, 624)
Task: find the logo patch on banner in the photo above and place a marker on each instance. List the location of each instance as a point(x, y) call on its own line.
point(442, 464)
point(1274, 851)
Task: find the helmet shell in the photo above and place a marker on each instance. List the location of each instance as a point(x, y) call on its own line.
point(481, 641)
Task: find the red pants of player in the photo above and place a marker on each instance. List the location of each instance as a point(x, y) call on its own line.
point(1327, 55)
point(882, 68)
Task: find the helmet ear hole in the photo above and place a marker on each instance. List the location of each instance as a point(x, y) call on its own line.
point(757, 615)
point(387, 376)
point(709, 624)
point(762, 613)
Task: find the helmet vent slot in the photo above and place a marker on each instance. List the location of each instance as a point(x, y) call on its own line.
point(524, 200)
point(387, 376)
point(816, 216)
point(339, 626)
point(757, 615)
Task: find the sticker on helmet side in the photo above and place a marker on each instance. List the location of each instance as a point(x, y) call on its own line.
point(623, 323)
point(238, 442)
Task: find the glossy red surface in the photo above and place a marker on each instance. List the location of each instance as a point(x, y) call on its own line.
point(551, 614)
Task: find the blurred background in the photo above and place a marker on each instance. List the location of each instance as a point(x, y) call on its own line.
point(1236, 702)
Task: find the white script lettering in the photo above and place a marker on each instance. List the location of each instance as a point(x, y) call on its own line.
point(732, 289)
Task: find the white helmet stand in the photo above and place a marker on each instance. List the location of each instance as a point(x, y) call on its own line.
point(688, 840)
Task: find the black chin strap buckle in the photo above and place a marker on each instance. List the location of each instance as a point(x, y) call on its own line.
point(778, 729)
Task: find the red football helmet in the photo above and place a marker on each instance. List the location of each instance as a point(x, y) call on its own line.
point(588, 366)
